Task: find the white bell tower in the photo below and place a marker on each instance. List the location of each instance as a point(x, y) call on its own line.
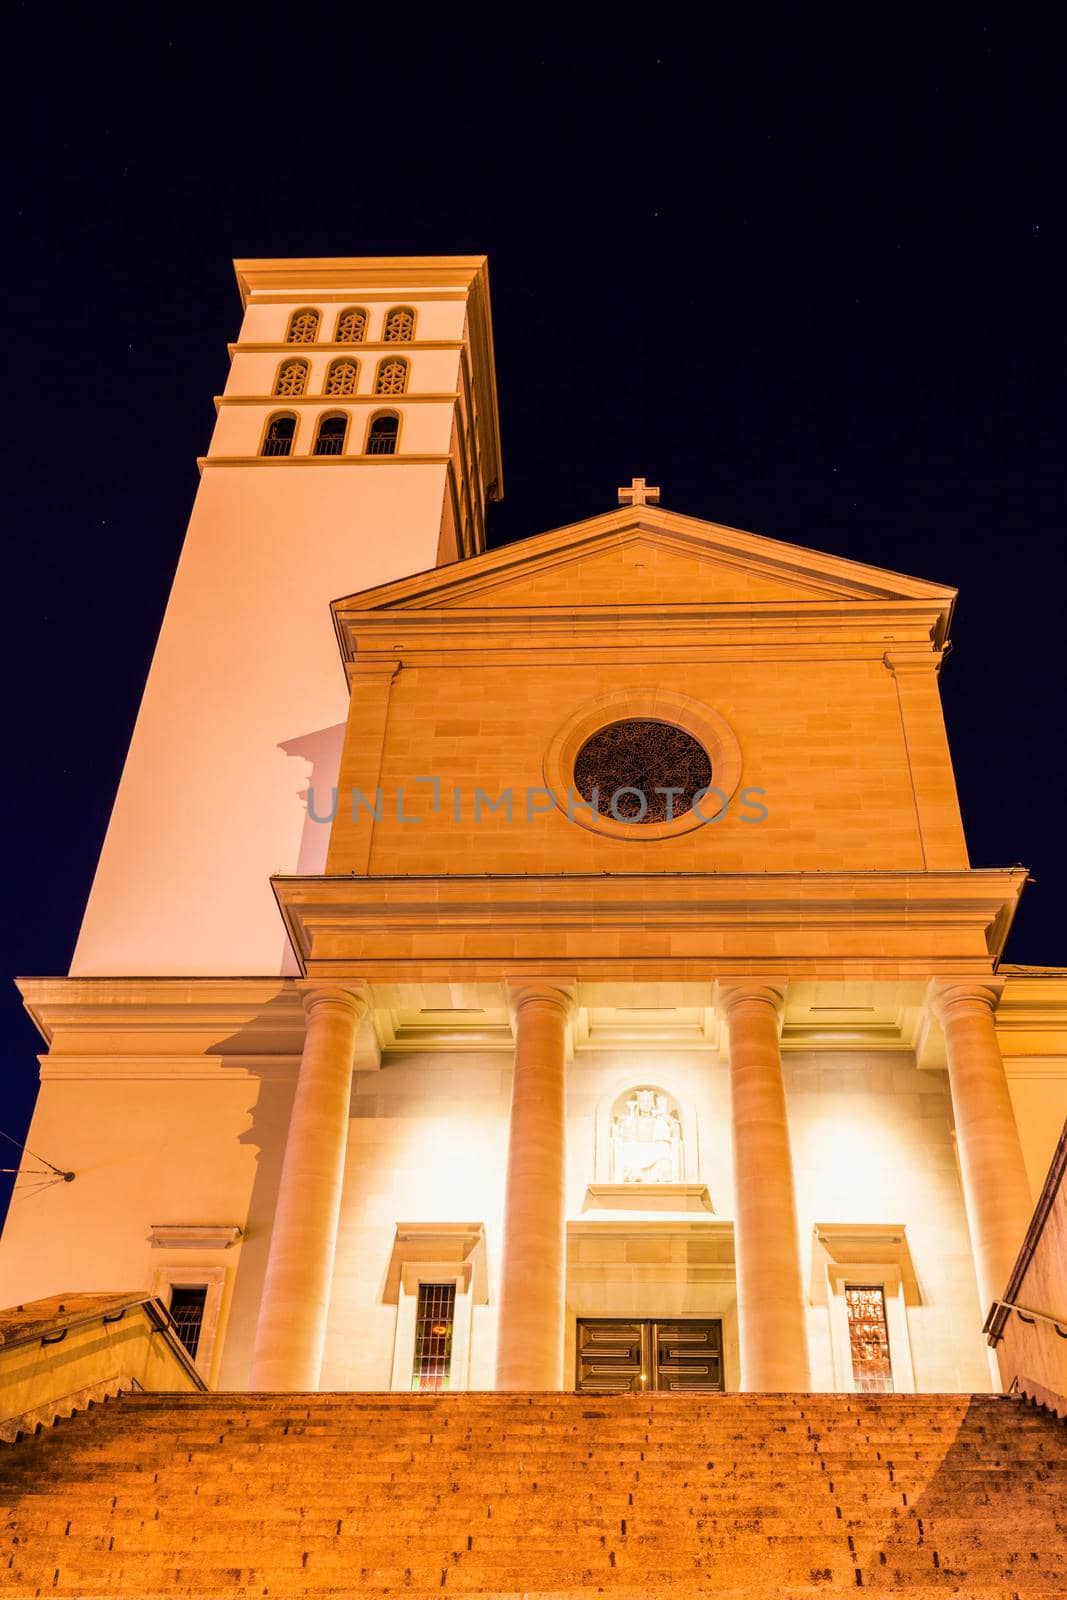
point(357, 442)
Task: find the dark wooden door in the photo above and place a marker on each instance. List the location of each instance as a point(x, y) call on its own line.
point(620, 1356)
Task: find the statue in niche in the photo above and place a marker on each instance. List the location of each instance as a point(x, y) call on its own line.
point(646, 1139)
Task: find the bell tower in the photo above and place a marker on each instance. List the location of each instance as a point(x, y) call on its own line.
point(357, 442)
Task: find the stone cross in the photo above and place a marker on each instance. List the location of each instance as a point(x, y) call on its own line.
point(639, 494)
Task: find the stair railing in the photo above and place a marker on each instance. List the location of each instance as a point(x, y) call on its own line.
point(1031, 1345)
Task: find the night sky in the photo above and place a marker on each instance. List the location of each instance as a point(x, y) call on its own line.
point(809, 278)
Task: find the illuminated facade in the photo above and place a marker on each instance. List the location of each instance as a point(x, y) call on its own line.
point(547, 966)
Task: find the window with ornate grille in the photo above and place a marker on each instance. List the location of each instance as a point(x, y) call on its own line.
point(330, 436)
point(435, 1315)
point(303, 327)
point(278, 439)
point(392, 376)
point(382, 435)
point(342, 377)
point(399, 326)
point(292, 377)
point(187, 1303)
point(352, 326)
point(868, 1337)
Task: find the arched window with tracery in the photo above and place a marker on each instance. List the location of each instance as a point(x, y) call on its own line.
point(399, 326)
point(278, 439)
point(646, 1137)
point(392, 376)
point(292, 376)
point(342, 376)
point(303, 327)
point(330, 435)
point(383, 434)
point(352, 326)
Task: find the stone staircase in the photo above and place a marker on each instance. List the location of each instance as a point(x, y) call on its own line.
point(540, 1496)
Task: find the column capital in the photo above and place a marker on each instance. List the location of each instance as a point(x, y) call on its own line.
point(351, 998)
point(532, 993)
point(956, 997)
point(750, 991)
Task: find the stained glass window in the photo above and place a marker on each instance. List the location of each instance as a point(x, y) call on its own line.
point(624, 765)
point(868, 1337)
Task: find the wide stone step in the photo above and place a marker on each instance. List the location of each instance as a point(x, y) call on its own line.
point(550, 1498)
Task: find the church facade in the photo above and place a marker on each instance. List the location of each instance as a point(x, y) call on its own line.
point(556, 966)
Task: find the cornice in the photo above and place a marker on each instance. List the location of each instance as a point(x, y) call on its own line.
point(334, 347)
point(304, 274)
point(237, 1031)
point(705, 926)
point(385, 402)
point(737, 630)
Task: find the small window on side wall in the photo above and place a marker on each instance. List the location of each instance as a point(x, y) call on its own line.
point(187, 1303)
point(330, 436)
point(383, 434)
point(278, 439)
point(303, 327)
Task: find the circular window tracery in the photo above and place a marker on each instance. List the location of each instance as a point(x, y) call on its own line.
point(706, 726)
point(641, 770)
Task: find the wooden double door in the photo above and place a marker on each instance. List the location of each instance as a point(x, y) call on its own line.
point(679, 1355)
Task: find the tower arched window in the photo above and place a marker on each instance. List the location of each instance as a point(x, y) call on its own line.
point(342, 377)
point(303, 327)
point(399, 326)
point(352, 326)
point(278, 439)
point(292, 376)
point(330, 435)
point(383, 434)
point(392, 376)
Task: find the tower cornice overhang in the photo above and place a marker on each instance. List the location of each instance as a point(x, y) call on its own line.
point(651, 927)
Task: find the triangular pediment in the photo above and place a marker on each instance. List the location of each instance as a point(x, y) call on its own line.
point(645, 557)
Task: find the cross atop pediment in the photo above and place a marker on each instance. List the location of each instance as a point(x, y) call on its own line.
point(639, 493)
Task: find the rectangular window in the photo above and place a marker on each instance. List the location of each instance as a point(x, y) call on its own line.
point(434, 1319)
point(187, 1312)
point(868, 1337)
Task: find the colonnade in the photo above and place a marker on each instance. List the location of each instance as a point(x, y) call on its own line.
point(770, 1300)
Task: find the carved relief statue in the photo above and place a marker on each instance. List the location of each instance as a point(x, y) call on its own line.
point(646, 1139)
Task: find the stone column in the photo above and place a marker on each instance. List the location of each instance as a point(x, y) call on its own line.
point(296, 1292)
point(533, 1267)
point(770, 1294)
point(995, 1187)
